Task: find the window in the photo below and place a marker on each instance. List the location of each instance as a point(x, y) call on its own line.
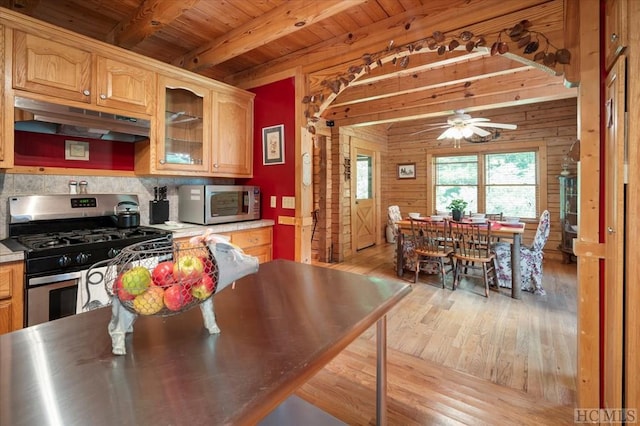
point(490, 182)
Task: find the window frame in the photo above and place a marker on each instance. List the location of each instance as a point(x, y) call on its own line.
point(493, 148)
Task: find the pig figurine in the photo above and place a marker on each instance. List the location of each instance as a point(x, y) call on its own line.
point(232, 263)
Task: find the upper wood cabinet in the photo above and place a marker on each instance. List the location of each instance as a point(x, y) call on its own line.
point(44, 66)
point(183, 135)
point(6, 112)
point(232, 146)
point(126, 87)
point(615, 33)
point(63, 71)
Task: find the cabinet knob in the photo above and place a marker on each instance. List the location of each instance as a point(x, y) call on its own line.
point(103, 96)
point(215, 165)
point(86, 92)
point(162, 161)
point(614, 37)
point(610, 230)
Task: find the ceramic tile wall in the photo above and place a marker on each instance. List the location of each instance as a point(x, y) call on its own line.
point(26, 184)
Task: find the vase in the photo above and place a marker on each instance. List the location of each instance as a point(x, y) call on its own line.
point(456, 215)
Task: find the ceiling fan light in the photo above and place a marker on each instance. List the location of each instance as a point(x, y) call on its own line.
point(467, 132)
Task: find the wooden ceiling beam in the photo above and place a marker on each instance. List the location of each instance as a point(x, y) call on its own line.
point(271, 26)
point(23, 6)
point(408, 27)
point(150, 17)
point(470, 104)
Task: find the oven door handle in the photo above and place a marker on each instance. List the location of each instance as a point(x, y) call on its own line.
point(52, 279)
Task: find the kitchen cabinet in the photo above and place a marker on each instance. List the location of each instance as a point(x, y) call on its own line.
point(11, 296)
point(568, 215)
point(255, 242)
point(183, 131)
point(6, 112)
point(50, 68)
point(232, 147)
point(125, 87)
point(615, 30)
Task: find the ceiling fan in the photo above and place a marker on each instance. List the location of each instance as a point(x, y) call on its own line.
point(463, 126)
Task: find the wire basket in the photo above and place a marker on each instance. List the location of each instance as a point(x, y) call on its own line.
point(161, 277)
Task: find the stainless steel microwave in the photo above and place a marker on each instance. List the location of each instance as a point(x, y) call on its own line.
point(211, 204)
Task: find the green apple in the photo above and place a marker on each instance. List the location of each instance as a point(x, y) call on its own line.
point(136, 280)
point(188, 268)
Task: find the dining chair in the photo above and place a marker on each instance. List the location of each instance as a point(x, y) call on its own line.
point(473, 253)
point(494, 216)
point(530, 259)
point(432, 245)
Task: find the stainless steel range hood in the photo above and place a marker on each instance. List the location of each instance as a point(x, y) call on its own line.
point(45, 117)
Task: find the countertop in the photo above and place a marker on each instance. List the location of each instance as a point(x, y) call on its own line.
point(180, 230)
point(279, 326)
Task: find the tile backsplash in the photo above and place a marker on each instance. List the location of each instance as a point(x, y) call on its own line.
point(32, 184)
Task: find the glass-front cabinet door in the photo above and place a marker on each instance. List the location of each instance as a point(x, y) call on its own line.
point(568, 215)
point(184, 126)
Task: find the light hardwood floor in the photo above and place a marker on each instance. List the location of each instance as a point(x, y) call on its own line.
point(456, 357)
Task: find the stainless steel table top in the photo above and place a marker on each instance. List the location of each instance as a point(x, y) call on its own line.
point(279, 327)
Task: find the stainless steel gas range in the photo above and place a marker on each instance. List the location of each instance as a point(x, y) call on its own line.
point(62, 236)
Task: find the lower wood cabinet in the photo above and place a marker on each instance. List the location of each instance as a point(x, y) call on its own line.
point(255, 242)
point(11, 296)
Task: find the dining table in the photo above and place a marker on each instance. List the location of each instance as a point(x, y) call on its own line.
point(499, 229)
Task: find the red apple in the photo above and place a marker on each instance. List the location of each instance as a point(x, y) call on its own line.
point(203, 288)
point(121, 292)
point(162, 274)
point(188, 267)
point(176, 297)
point(208, 264)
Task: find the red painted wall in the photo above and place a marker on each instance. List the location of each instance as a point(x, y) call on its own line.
point(275, 105)
point(44, 150)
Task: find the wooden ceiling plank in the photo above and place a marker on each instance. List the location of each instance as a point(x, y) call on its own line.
point(478, 103)
point(22, 6)
point(455, 74)
point(150, 17)
point(529, 80)
point(272, 25)
point(348, 49)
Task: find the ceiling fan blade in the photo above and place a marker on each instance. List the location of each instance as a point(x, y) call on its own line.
point(440, 126)
point(478, 131)
point(498, 125)
point(449, 133)
point(476, 120)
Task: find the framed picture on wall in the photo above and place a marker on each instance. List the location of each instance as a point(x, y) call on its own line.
point(407, 171)
point(273, 145)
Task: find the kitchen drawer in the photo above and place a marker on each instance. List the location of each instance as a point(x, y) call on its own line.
point(251, 237)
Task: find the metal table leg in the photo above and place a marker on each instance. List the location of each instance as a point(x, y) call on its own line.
point(381, 372)
point(516, 276)
point(399, 258)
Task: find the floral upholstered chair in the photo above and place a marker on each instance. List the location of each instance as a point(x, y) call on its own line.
point(408, 250)
point(530, 260)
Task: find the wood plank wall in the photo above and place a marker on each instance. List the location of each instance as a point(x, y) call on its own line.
point(554, 123)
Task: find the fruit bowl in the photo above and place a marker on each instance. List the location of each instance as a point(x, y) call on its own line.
point(162, 277)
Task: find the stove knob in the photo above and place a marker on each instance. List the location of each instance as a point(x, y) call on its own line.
point(64, 261)
point(113, 252)
point(82, 258)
